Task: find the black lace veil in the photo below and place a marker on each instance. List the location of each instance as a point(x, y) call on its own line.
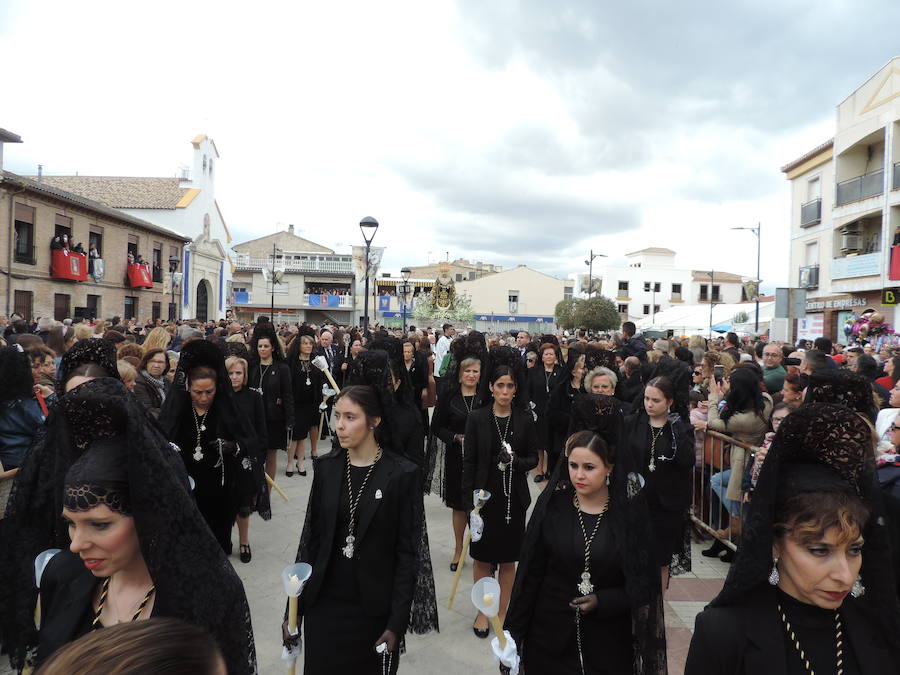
point(630, 518)
point(821, 446)
point(186, 563)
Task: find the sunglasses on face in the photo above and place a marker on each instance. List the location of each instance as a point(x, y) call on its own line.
point(894, 427)
point(530, 360)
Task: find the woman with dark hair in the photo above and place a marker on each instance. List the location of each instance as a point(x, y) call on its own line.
point(586, 596)
point(662, 445)
point(448, 427)
point(86, 360)
point(215, 443)
point(500, 449)
point(430, 397)
point(891, 368)
point(361, 536)
point(249, 405)
point(306, 383)
point(271, 377)
point(417, 368)
point(845, 388)
point(151, 647)
point(60, 340)
point(812, 588)
point(792, 390)
point(743, 415)
point(21, 415)
point(134, 544)
point(151, 385)
point(559, 408)
point(542, 381)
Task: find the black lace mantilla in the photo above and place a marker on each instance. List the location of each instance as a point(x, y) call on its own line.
point(86, 497)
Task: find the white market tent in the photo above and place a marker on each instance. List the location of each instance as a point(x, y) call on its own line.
point(686, 320)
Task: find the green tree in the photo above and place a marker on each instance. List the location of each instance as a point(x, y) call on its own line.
point(597, 313)
point(565, 313)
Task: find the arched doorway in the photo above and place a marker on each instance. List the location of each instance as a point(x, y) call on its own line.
point(202, 313)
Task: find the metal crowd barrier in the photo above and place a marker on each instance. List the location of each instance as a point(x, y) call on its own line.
point(707, 511)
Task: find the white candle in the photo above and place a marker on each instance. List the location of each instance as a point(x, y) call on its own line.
point(488, 599)
point(294, 585)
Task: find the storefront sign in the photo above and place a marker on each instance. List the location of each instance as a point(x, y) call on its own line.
point(890, 296)
point(839, 303)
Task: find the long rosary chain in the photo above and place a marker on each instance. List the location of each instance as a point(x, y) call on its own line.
point(386, 658)
point(471, 407)
point(262, 373)
point(839, 642)
point(547, 377)
point(104, 593)
point(586, 587)
point(506, 471)
point(354, 502)
point(200, 425)
point(578, 638)
point(655, 437)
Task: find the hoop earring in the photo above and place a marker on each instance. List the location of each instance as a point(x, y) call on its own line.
point(774, 577)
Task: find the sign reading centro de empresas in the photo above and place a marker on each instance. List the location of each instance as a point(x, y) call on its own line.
point(838, 303)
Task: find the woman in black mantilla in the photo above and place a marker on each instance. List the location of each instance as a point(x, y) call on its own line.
point(306, 383)
point(559, 408)
point(499, 451)
point(662, 445)
point(137, 546)
point(362, 535)
point(448, 430)
point(812, 588)
point(215, 443)
point(586, 597)
point(271, 376)
point(542, 380)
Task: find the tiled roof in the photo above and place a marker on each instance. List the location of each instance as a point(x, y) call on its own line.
point(701, 275)
point(122, 192)
point(85, 203)
point(790, 166)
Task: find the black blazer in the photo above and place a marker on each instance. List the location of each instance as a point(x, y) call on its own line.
point(478, 455)
point(67, 592)
point(278, 393)
point(387, 536)
point(669, 486)
point(418, 375)
point(748, 639)
point(337, 357)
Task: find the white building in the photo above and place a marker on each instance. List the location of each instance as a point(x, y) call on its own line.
point(845, 208)
point(186, 205)
point(315, 283)
point(650, 283)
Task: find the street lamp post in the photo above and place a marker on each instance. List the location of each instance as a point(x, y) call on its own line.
point(173, 266)
point(368, 226)
point(755, 230)
point(405, 273)
point(590, 264)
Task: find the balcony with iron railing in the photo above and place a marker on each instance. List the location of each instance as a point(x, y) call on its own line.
point(861, 187)
point(811, 213)
point(304, 299)
point(246, 263)
point(809, 277)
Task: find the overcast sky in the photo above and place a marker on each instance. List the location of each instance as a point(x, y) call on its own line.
point(510, 132)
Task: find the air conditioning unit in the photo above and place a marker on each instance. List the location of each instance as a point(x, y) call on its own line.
point(850, 243)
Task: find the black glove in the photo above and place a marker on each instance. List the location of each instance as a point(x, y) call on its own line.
point(287, 639)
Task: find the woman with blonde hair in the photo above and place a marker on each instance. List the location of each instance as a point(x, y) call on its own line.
point(158, 338)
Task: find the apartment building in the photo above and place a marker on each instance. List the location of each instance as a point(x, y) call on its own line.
point(650, 282)
point(845, 208)
point(65, 256)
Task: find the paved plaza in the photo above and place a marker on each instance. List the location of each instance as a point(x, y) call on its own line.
point(455, 650)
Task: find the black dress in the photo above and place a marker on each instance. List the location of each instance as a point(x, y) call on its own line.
point(541, 385)
point(273, 381)
point(501, 540)
point(249, 404)
point(450, 416)
point(540, 619)
point(668, 485)
point(306, 381)
point(559, 411)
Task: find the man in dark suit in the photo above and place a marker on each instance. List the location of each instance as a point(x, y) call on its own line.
point(334, 354)
point(522, 340)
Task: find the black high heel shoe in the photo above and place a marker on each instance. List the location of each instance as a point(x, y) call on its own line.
point(454, 566)
point(713, 551)
point(481, 632)
point(246, 554)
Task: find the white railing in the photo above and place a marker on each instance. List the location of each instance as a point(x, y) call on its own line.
point(312, 265)
point(323, 300)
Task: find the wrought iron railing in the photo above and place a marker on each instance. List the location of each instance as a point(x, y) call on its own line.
point(861, 187)
point(811, 213)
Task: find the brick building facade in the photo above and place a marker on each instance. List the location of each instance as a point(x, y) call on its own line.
point(37, 281)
